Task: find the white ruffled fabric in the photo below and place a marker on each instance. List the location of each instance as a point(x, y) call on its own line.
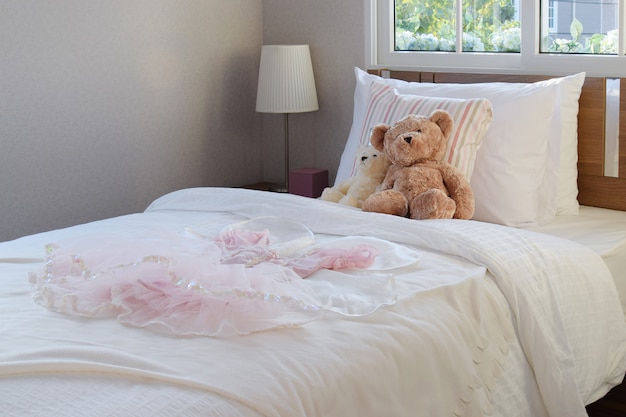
point(246, 279)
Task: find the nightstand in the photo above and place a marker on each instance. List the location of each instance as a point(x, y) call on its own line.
point(307, 182)
point(265, 186)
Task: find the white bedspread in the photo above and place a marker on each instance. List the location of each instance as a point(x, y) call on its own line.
point(601, 230)
point(438, 351)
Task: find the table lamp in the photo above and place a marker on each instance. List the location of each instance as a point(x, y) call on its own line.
point(286, 85)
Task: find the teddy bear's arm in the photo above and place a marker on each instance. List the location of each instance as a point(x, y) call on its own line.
point(345, 185)
point(390, 178)
point(460, 191)
point(337, 192)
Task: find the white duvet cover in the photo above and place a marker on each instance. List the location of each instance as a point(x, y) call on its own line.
point(603, 231)
point(487, 320)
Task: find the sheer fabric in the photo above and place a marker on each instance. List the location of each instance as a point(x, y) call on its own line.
point(247, 278)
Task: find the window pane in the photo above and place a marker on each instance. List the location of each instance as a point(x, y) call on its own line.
point(430, 25)
point(425, 25)
point(495, 22)
point(579, 26)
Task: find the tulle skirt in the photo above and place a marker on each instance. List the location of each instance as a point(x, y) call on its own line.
point(249, 277)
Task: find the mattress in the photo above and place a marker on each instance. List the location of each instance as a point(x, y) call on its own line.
point(506, 340)
point(603, 231)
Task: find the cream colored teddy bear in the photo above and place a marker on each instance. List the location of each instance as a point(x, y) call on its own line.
point(372, 166)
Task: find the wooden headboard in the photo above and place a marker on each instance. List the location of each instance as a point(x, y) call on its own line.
point(594, 189)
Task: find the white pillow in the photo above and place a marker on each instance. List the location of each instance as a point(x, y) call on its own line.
point(471, 119)
point(515, 178)
point(563, 158)
point(513, 103)
point(570, 88)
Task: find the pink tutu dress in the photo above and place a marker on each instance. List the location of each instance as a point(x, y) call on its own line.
point(247, 278)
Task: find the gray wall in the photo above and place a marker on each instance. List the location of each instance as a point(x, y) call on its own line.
point(108, 104)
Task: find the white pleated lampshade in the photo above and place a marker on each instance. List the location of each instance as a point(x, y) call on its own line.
point(286, 81)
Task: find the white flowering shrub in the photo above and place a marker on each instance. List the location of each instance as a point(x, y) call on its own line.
point(608, 43)
point(405, 41)
point(472, 42)
point(566, 46)
point(447, 45)
point(508, 40)
point(595, 44)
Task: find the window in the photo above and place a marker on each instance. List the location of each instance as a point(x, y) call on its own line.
point(580, 26)
point(542, 36)
point(431, 25)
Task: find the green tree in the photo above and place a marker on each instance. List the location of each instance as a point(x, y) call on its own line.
point(424, 16)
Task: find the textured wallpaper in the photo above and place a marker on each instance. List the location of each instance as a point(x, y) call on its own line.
point(106, 105)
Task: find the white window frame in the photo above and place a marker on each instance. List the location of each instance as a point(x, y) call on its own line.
point(379, 49)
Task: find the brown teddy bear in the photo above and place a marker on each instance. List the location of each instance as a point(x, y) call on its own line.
point(420, 184)
point(372, 166)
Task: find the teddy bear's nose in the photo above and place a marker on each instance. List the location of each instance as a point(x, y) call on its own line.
point(408, 139)
point(363, 158)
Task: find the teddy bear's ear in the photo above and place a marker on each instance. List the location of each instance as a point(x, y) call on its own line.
point(378, 134)
point(444, 120)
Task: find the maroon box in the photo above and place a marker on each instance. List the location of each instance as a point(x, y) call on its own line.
point(308, 182)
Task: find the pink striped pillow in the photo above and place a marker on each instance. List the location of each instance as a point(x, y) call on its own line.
point(471, 117)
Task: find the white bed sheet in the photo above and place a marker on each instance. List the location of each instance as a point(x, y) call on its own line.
point(310, 362)
point(603, 231)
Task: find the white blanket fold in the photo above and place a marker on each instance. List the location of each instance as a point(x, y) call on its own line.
point(524, 265)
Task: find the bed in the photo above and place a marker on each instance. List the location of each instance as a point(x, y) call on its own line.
point(518, 312)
